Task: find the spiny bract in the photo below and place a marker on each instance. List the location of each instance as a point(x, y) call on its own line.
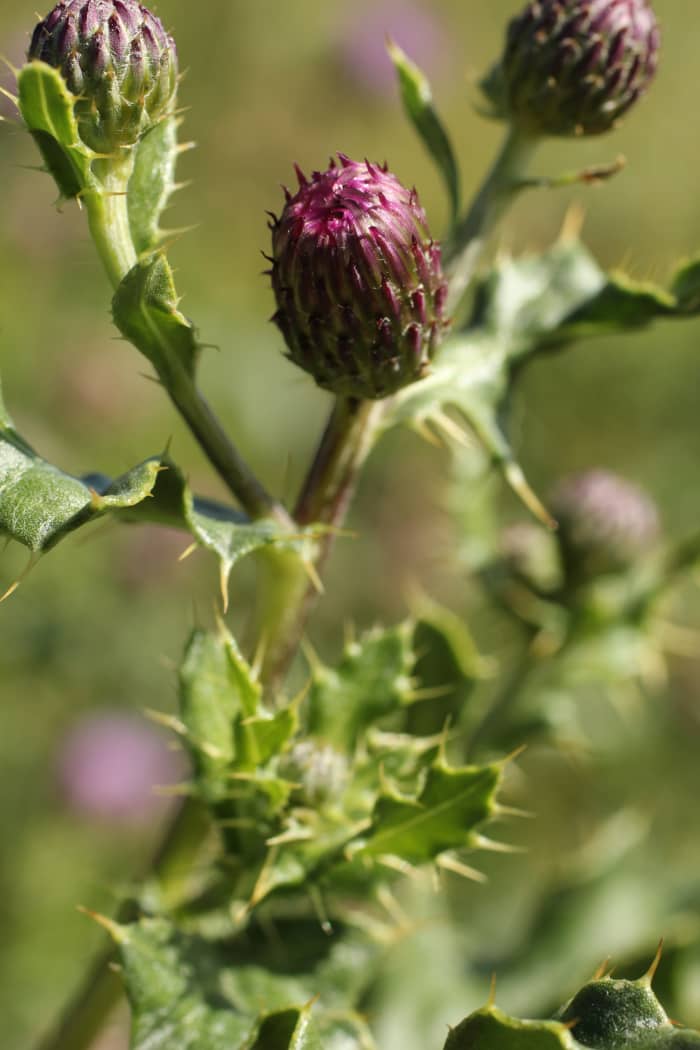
point(358, 280)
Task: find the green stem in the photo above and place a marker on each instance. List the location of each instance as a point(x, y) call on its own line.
point(85, 1018)
point(287, 594)
point(221, 452)
point(497, 192)
point(108, 218)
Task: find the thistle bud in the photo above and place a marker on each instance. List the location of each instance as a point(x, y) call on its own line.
point(574, 67)
point(358, 281)
point(319, 771)
point(117, 60)
point(529, 554)
point(605, 523)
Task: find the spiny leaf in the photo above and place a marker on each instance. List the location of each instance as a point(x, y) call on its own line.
point(39, 504)
point(288, 1030)
point(252, 993)
point(370, 682)
point(217, 689)
point(491, 1029)
point(451, 803)
point(525, 306)
point(418, 102)
point(151, 183)
point(47, 107)
point(145, 310)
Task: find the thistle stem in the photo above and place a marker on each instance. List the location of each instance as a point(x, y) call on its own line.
point(500, 187)
point(108, 218)
point(287, 594)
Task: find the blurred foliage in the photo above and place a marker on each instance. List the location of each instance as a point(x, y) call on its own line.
point(614, 850)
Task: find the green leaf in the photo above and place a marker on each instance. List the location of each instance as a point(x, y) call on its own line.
point(523, 307)
point(418, 102)
point(288, 1030)
point(171, 1008)
point(151, 183)
point(145, 310)
point(39, 504)
point(250, 993)
point(448, 666)
point(47, 107)
point(371, 681)
point(217, 689)
point(450, 805)
point(491, 1029)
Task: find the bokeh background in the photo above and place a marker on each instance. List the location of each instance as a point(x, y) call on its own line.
point(92, 637)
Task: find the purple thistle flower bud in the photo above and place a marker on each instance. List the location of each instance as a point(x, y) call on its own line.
point(574, 67)
point(605, 523)
point(117, 59)
point(358, 280)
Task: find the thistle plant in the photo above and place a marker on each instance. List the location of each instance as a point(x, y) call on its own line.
point(318, 884)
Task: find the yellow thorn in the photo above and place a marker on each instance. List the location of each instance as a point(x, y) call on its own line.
point(33, 559)
point(310, 655)
point(651, 972)
point(515, 753)
point(223, 584)
point(161, 718)
point(510, 811)
point(188, 551)
point(518, 482)
point(452, 429)
point(113, 929)
point(450, 863)
point(600, 970)
point(8, 94)
point(573, 223)
point(423, 430)
point(6, 62)
point(312, 573)
point(491, 846)
point(491, 1001)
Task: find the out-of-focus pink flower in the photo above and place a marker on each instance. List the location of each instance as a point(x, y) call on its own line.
point(110, 764)
point(362, 42)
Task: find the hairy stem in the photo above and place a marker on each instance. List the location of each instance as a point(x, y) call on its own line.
point(497, 192)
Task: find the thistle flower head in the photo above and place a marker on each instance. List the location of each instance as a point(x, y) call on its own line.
point(117, 60)
point(574, 67)
point(605, 523)
point(358, 280)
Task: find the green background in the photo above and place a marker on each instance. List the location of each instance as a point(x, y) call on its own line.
point(101, 622)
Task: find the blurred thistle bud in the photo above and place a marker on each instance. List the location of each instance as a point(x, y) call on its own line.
point(574, 67)
point(605, 523)
point(358, 280)
point(117, 60)
point(529, 554)
point(319, 771)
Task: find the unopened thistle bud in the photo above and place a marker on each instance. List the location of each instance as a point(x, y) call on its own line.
point(605, 523)
point(574, 67)
point(319, 771)
point(358, 281)
point(117, 60)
